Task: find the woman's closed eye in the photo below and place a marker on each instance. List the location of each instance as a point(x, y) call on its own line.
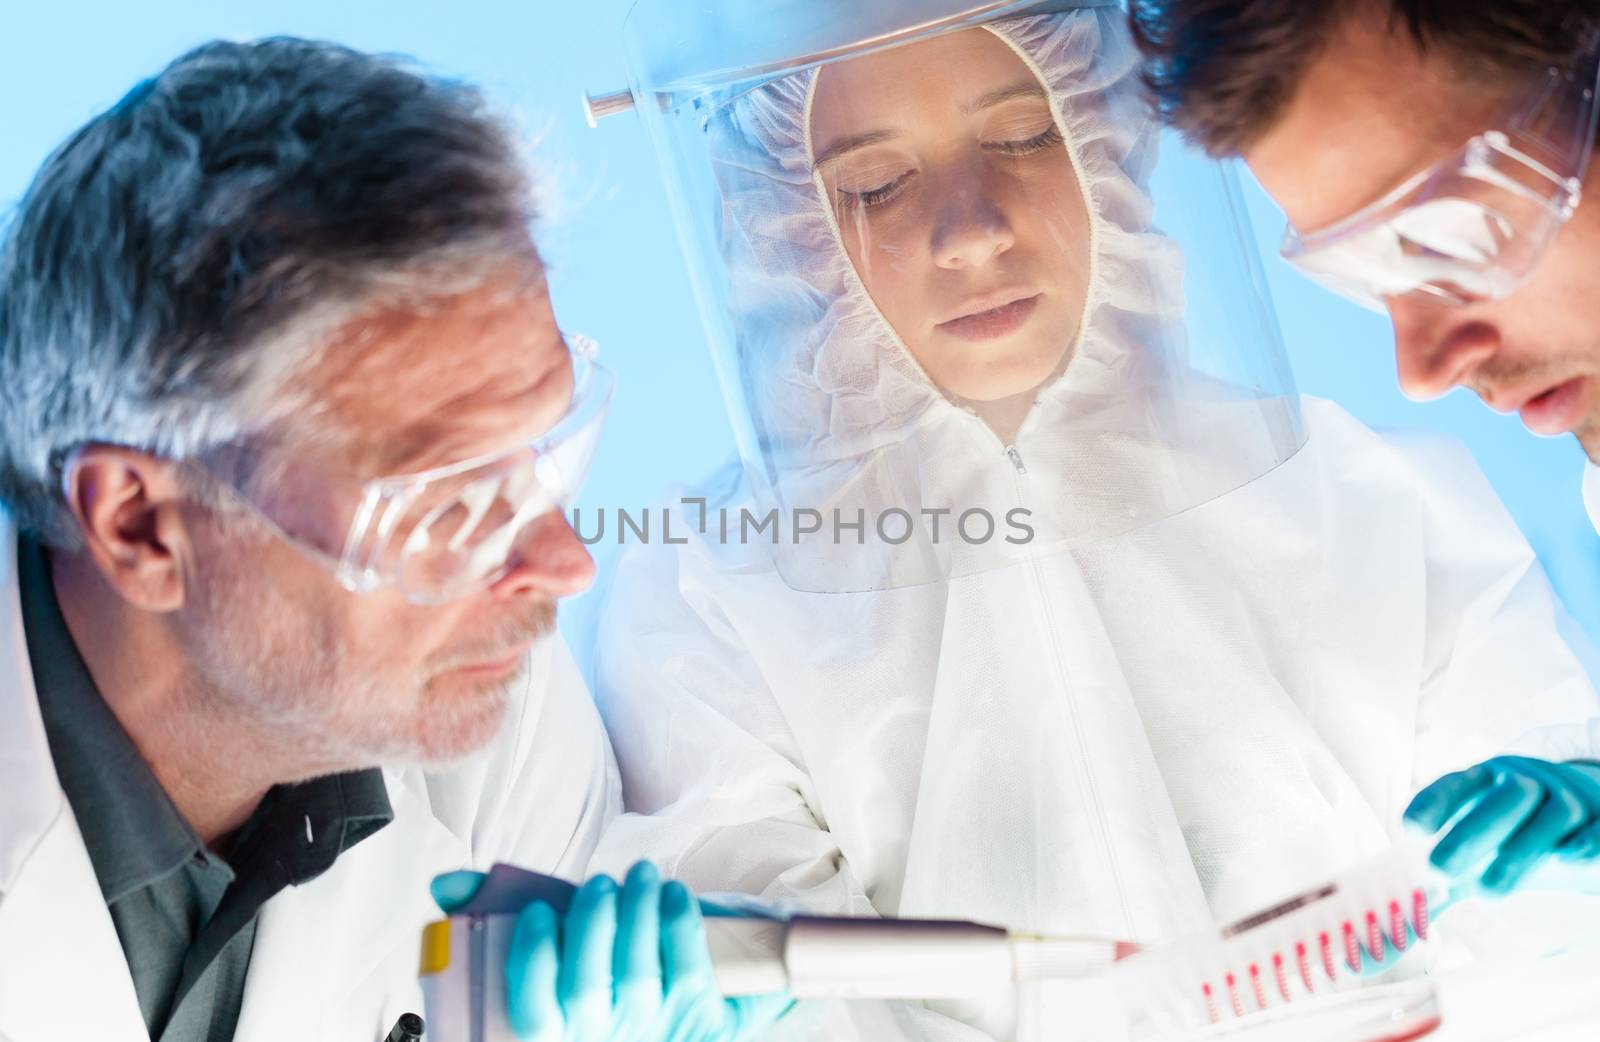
point(876, 195)
point(1048, 138)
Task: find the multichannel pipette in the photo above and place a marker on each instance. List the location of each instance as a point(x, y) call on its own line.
point(809, 956)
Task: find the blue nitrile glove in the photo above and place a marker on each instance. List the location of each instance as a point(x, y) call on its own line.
point(628, 966)
point(1518, 810)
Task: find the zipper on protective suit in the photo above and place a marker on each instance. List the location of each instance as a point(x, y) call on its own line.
point(1058, 665)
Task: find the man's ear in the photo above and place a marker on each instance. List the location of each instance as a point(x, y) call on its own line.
point(128, 508)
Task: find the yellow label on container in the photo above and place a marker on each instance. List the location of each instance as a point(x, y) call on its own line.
point(435, 948)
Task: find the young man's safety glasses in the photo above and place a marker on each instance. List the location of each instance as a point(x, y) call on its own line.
point(1474, 226)
point(436, 535)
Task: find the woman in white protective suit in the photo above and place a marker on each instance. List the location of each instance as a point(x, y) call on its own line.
point(1221, 653)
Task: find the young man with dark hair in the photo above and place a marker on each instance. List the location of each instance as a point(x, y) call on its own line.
point(1430, 158)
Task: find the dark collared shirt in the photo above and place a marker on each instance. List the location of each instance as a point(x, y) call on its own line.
point(186, 915)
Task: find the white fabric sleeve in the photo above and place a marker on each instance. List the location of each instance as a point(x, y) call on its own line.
point(713, 782)
point(715, 789)
point(1502, 669)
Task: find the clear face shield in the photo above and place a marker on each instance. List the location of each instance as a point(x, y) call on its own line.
point(968, 302)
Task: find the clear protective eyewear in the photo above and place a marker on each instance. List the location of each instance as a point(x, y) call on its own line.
point(1474, 226)
point(435, 535)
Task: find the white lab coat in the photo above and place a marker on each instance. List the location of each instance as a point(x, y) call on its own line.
point(335, 960)
point(1220, 708)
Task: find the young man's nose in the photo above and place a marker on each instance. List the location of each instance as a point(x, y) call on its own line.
point(972, 230)
point(549, 560)
point(1438, 346)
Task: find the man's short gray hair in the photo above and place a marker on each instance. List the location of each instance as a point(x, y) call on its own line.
point(182, 255)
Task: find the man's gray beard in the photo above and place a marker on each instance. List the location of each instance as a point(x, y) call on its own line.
point(333, 722)
point(300, 697)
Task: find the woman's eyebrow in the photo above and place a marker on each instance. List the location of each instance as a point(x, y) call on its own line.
point(987, 100)
point(850, 144)
point(1001, 95)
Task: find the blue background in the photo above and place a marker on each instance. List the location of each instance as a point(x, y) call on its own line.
point(615, 270)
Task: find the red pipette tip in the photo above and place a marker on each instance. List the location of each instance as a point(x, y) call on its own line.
point(1375, 943)
point(1352, 947)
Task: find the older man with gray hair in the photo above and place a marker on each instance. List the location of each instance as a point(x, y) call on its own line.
point(287, 425)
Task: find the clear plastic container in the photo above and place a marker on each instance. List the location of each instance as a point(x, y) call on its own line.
point(1388, 1013)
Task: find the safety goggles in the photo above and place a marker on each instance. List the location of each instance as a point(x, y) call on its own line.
point(436, 535)
point(1474, 226)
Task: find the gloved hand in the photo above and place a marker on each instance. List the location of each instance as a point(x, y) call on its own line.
point(619, 967)
point(1519, 810)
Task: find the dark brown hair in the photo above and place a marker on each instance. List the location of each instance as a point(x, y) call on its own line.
point(1222, 70)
